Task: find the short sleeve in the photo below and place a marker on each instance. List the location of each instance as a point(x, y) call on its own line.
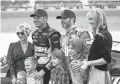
point(100, 42)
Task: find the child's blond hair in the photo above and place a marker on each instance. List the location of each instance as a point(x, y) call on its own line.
point(32, 59)
point(81, 45)
point(21, 75)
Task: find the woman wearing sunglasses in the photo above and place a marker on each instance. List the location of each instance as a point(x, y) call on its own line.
point(20, 50)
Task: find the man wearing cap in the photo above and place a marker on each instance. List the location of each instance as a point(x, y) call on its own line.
point(68, 19)
point(45, 39)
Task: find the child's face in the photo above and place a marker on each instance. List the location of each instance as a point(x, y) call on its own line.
point(55, 61)
point(29, 66)
point(20, 80)
point(75, 48)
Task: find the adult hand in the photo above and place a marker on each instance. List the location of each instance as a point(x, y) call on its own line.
point(76, 65)
point(85, 64)
point(14, 80)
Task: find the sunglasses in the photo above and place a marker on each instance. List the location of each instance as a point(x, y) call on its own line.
point(22, 33)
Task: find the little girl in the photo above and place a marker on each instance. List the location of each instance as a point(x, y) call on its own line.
point(80, 51)
point(59, 74)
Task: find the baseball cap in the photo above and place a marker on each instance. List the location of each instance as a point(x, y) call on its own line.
point(39, 12)
point(67, 14)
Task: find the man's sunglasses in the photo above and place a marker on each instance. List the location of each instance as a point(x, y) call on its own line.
point(22, 33)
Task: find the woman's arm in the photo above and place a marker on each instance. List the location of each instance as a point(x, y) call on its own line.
point(100, 61)
point(10, 60)
point(105, 53)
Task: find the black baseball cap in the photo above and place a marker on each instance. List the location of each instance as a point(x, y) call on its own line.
point(39, 12)
point(67, 14)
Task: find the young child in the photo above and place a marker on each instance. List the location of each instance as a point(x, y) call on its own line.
point(79, 54)
point(21, 77)
point(30, 66)
point(59, 74)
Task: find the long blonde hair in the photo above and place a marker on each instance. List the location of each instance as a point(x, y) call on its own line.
point(99, 16)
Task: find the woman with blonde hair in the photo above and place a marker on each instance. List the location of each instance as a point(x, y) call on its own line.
point(100, 51)
point(20, 50)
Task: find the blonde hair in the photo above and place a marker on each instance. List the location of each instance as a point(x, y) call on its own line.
point(81, 45)
point(22, 75)
point(99, 16)
point(25, 27)
point(31, 59)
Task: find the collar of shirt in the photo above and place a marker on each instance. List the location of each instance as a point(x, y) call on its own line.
point(31, 74)
point(72, 28)
point(47, 27)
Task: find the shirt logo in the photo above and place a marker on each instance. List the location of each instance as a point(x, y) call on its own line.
point(40, 49)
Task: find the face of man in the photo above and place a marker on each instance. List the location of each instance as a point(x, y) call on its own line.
point(66, 23)
point(39, 21)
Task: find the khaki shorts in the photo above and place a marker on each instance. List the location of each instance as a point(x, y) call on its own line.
point(99, 77)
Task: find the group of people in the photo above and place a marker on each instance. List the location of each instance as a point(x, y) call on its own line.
point(53, 58)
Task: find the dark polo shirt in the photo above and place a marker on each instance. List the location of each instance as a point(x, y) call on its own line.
point(101, 48)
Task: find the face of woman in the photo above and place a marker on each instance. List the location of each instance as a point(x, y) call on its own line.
point(92, 22)
point(39, 21)
point(55, 61)
point(21, 34)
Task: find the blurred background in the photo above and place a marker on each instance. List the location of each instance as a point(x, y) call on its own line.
point(29, 5)
point(14, 12)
